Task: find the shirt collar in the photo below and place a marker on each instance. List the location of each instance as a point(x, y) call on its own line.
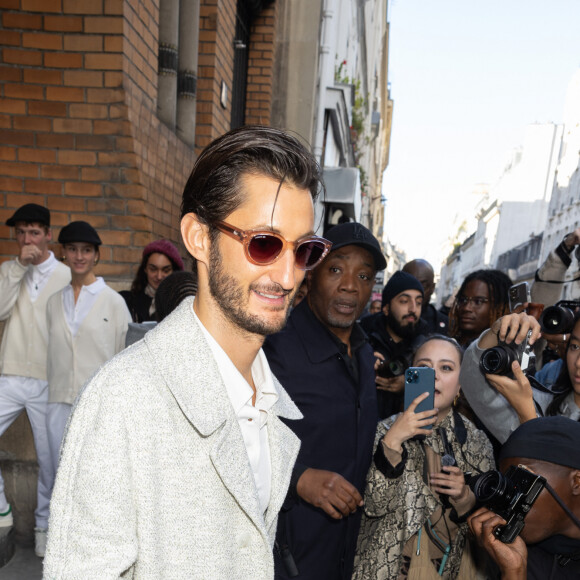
point(47, 265)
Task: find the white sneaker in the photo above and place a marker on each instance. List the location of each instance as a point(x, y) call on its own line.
point(6, 519)
point(40, 541)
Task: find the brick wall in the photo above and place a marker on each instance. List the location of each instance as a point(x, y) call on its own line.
point(78, 125)
point(261, 67)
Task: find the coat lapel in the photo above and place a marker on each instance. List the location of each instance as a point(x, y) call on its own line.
point(185, 362)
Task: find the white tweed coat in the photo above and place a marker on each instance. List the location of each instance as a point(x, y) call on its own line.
point(154, 479)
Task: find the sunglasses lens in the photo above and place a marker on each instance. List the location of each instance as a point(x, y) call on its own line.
point(264, 249)
point(308, 254)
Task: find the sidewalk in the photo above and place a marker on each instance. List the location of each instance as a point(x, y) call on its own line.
point(24, 565)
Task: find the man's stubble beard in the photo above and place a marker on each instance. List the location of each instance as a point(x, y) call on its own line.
point(229, 296)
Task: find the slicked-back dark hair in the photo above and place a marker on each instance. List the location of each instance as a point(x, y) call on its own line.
point(213, 189)
point(498, 284)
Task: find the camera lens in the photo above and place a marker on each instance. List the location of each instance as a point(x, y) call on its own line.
point(491, 488)
point(496, 360)
point(557, 320)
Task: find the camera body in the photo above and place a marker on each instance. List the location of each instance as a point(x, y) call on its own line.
point(498, 359)
point(559, 319)
point(511, 496)
point(393, 367)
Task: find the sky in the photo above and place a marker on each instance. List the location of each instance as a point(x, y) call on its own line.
point(466, 78)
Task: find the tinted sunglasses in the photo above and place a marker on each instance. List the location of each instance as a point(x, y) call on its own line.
point(263, 247)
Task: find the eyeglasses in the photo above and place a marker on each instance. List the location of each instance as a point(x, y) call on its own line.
point(263, 247)
point(478, 301)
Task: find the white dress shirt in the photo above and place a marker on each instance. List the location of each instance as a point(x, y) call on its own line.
point(253, 420)
point(76, 313)
point(37, 276)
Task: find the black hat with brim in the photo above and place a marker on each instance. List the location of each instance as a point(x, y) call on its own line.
point(355, 234)
point(79, 232)
point(31, 213)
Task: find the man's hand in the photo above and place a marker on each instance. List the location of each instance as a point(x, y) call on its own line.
point(28, 254)
point(392, 385)
point(329, 491)
point(512, 559)
point(518, 392)
point(511, 328)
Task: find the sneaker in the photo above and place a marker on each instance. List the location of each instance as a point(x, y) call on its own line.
point(6, 520)
point(40, 541)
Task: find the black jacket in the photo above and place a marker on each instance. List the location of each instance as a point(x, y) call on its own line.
point(337, 434)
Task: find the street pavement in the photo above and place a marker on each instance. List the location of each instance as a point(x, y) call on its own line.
point(24, 565)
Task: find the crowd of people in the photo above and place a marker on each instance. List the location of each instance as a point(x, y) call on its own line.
point(248, 419)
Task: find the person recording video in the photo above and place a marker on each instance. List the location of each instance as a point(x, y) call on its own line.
point(548, 547)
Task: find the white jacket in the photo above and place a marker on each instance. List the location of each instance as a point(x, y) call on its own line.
point(154, 479)
point(23, 350)
point(72, 360)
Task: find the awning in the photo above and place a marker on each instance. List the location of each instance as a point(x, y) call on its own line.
point(343, 191)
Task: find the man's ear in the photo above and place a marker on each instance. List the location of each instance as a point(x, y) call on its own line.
point(575, 482)
point(195, 236)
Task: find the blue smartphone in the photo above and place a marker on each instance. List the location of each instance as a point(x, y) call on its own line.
point(419, 380)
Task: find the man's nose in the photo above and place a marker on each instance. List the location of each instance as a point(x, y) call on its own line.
point(283, 270)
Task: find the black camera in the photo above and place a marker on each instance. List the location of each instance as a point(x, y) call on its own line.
point(559, 319)
point(394, 367)
point(498, 359)
point(511, 496)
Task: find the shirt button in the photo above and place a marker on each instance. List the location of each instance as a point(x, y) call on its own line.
point(250, 419)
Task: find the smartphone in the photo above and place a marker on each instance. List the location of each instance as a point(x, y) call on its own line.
point(419, 380)
point(519, 294)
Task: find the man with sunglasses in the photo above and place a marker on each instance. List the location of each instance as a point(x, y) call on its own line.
point(176, 461)
point(325, 363)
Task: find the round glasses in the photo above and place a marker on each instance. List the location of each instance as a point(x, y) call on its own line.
point(263, 247)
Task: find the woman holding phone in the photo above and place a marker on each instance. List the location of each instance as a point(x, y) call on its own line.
point(417, 497)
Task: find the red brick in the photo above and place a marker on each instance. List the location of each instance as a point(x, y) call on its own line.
point(115, 158)
point(24, 21)
point(83, 42)
point(7, 154)
point(10, 4)
point(11, 38)
point(107, 206)
point(32, 123)
point(12, 106)
point(77, 157)
point(113, 79)
point(112, 128)
point(43, 77)
point(131, 222)
point(60, 60)
point(55, 141)
point(102, 174)
point(47, 108)
point(114, 7)
point(95, 142)
point(10, 73)
point(108, 271)
point(104, 61)
point(82, 6)
point(46, 41)
point(116, 238)
point(45, 187)
point(78, 188)
point(16, 200)
point(10, 184)
point(58, 219)
point(97, 221)
point(66, 203)
point(66, 94)
point(88, 111)
point(63, 23)
point(105, 95)
point(24, 91)
point(23, 57)
point(113, 43)
point(16, 138)
point(42, 5)
point(103, 25)
point(37, 155)
point(72, 126)
point(58, 172)
point(81, 78)
point(19, 169)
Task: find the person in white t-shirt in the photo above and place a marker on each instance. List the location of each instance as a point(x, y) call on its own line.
point(87, 324)
point(26, 283)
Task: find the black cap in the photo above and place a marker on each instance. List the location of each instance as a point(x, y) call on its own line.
point(31, 213)
point(355, 234)
point(79, 232)
point(399, 282)
point(551, 439)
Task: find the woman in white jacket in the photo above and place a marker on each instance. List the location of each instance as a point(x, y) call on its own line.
point(87, 324)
